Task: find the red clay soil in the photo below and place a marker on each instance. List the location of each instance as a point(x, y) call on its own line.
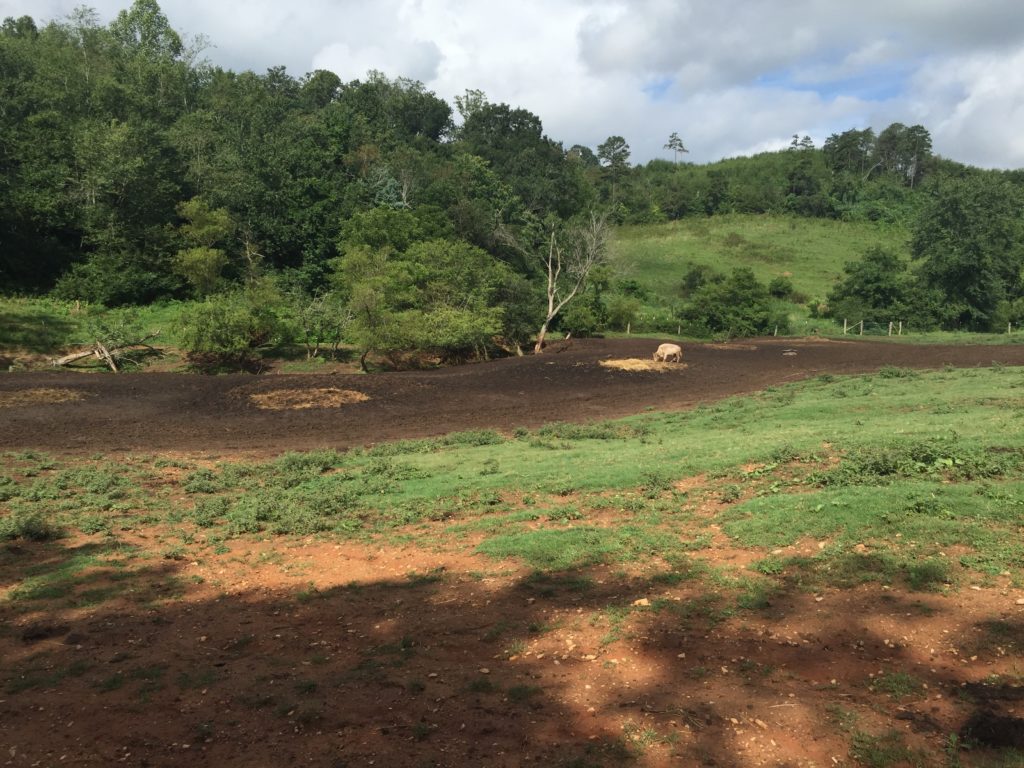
point(309, 652)
point(147, 412)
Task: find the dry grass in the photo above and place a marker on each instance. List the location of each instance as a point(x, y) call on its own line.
point(635, 364)
point(299, 399)
point(38, 396)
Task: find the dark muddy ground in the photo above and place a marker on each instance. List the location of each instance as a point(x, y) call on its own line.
point(162, 411)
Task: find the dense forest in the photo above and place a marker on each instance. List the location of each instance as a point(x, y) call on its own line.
point(132, 171)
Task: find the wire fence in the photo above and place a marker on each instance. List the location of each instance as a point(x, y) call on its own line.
point(872, 328)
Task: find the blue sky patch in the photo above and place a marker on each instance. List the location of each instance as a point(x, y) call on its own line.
point(656, 89)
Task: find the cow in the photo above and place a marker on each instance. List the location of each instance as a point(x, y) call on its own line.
point(668, 352)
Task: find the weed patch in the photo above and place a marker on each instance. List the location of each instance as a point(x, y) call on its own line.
point(562, 549)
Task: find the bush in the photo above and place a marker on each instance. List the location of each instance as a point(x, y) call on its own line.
point(735, 306)
point(29, 527)
point(623, 312)
point(225, 331)
point(877, 288)
point(780, 287)
point(113, 279)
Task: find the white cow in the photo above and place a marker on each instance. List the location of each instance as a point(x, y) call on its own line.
point(668, 352)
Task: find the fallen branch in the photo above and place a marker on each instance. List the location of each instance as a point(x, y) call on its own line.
point(102, 352)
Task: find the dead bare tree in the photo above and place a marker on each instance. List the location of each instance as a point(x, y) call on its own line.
point(569, 266)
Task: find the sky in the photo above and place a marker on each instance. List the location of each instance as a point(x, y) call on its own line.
point(731, 77)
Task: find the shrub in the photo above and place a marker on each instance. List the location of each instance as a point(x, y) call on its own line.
point(876, 288)
point(737, 306)
point(225, 331)
point(780, 287)
point(114, 278)
point(30, 527)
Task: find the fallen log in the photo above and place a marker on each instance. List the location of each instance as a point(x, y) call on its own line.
point(102, 352)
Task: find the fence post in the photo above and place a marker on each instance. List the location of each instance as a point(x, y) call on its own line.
point(679, 330)
point(890, 327)
point(629, 328)
point(776, 331)
point(901, 328)
point(861, 327)
point(844, 326)
point(1009, 327)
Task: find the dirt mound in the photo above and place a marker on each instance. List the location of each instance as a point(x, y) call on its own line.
point(301, 399)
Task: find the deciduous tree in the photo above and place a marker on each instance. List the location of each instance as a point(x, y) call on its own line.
point(571, 255)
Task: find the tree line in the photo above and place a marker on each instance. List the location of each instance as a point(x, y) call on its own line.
point(133, 170)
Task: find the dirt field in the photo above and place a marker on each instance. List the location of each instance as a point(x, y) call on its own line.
point(171, 412)
point(282, 652)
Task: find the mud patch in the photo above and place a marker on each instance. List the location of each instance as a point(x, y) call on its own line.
point(636, 364)
point(301, 399)
point(38, 396)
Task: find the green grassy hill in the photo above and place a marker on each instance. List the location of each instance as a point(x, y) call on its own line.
point(811, 252)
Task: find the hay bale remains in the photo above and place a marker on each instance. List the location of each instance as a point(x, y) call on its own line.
point(38, 396)
point(635, 364)
point(301, 399)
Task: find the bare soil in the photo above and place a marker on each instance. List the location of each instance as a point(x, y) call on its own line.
point(285, 652)
point(148, 412)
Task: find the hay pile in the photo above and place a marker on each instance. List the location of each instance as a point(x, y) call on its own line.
point(300, 399)
point(38, 396)
point(635, 364)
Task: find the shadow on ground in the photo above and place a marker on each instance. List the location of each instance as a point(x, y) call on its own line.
point(112, 658)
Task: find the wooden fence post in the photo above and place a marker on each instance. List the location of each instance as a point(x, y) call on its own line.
point(890, 327)
point(901, 328)
point(844, 326)
point(861, 327)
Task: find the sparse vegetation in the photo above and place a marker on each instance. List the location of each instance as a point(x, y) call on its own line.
point(931, 509)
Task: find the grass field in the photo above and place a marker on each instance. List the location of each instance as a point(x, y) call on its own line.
point(811, 252)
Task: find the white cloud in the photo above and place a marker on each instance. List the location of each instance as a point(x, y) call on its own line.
point(734, 76)
point(975, 104)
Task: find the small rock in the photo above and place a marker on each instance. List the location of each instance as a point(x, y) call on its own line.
point(761, 724)
point(1020, 601)
point(643, 601)
point(484, 671)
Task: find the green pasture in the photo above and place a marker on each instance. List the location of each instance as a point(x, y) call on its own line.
point(811, 252)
